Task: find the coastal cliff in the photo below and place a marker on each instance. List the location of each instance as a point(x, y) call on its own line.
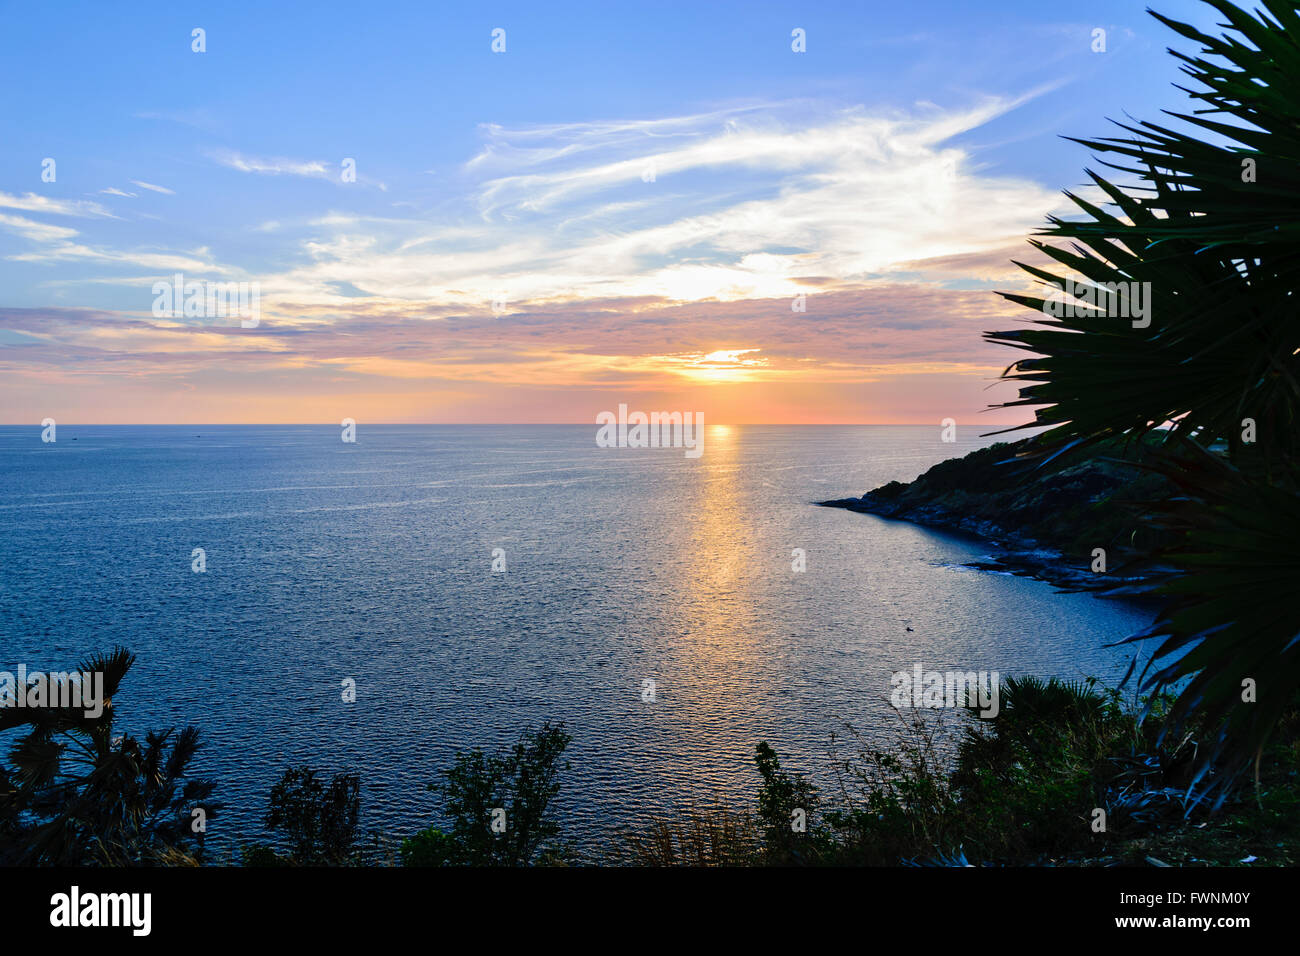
point(1043, 521)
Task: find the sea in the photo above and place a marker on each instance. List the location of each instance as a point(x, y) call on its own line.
point(467, 583)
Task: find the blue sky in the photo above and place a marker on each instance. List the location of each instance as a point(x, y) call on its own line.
point(527, 175)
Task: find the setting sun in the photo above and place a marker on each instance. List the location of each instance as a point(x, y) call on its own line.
point(725, 365)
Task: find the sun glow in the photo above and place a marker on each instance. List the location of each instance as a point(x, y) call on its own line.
point(725, 365)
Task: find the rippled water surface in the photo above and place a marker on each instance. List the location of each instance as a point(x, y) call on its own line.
point(372, 560)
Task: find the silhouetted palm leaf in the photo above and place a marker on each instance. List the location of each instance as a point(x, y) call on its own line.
point(76, 794)
point(1222, 256)
point(1230, 624)
point(1221, 252)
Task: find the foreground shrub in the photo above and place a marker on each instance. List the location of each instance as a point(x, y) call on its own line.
point(498, 806)
point(317, 820)
point(1064, 775)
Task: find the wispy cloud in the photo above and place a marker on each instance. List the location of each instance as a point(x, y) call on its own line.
point(195, 118)
point(56, 242)
point(727, 206)
point(749, 202)
point(152, 188)
point(36, 231)
point(162, 262)
point(32, 202)
point(272, 166)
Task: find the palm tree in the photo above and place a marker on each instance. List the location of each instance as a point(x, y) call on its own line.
point(1209, 222)
point(77, 794)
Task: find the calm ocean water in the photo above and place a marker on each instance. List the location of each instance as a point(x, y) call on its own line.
point(372, 561)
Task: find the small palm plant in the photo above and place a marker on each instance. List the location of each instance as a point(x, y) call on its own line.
point(1208, 223)
point(75, 793)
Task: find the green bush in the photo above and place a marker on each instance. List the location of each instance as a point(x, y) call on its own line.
point(318, 821)
point(498, 805)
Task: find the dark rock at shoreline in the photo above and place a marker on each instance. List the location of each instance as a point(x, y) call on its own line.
point(1043, 521)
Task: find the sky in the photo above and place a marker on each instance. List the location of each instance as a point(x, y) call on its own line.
point(663, 205)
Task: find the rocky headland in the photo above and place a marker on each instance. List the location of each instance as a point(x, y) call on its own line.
point(1041, 520)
